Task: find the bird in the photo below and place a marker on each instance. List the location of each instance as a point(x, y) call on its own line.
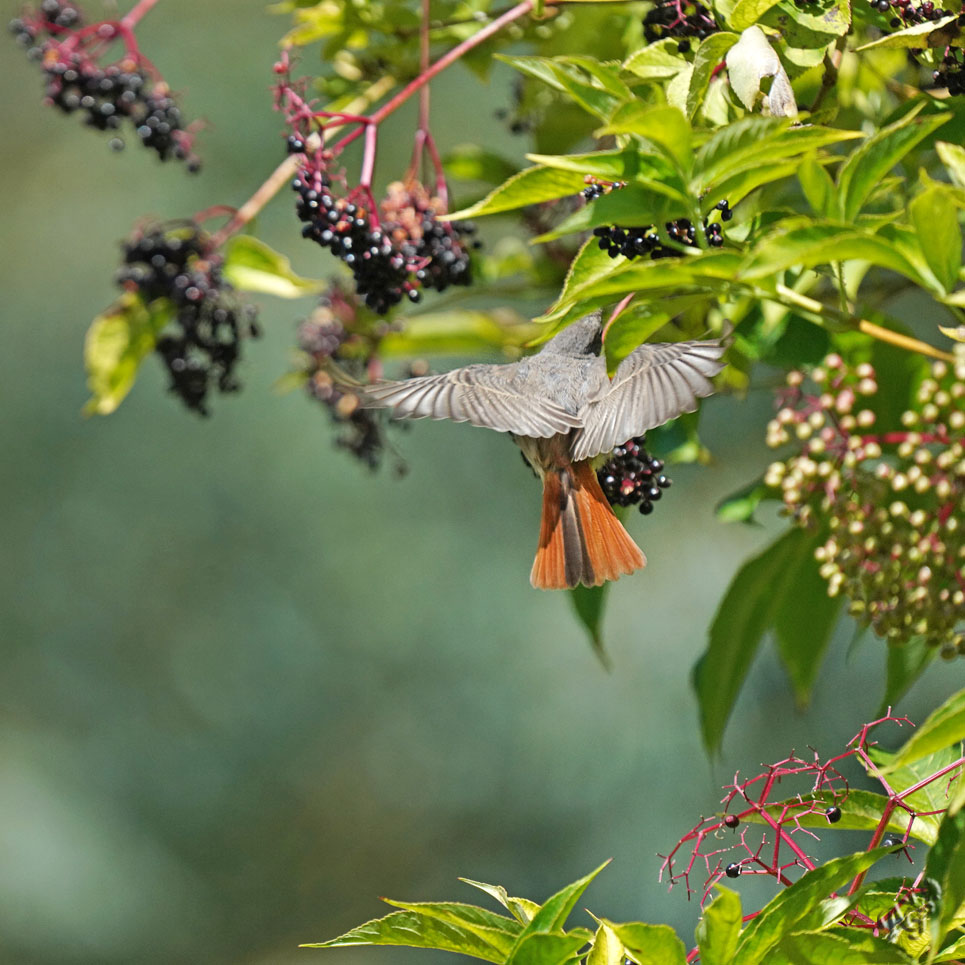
point(562, 409)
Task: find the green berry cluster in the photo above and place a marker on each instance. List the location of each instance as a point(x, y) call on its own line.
point(893, 502)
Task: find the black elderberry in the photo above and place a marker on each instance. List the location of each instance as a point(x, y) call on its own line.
point(731, 820)
point(892, 842)
point(200, 346)
point(833, 814)
point(733, 870)
point(628, 476)
point(677, 18)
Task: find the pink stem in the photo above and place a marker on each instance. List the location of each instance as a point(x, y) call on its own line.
point(368, 157)
point(136, 12)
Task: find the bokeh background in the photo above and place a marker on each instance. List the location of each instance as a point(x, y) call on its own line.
point(247, 686)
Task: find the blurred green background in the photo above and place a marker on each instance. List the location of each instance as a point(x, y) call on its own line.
point(248, 686)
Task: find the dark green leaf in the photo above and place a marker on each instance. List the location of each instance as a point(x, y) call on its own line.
point(650, 944)
point(946, 866)
point(719, 928)
point(906, 663)
point(528, 187)
point(251, 265)
point(818, 188)
point(934, 215)
point(739, 507)
point(875, 157)
point(783, 914)
point(588, 603)
point(116, 344)
point(749, 609)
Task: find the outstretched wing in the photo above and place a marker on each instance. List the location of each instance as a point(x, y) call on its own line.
point(484, 395)
point(652, 384)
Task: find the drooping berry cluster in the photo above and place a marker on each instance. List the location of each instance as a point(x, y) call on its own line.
point(107, 95)
point(906, 14)
point(950, 72)
point(679, 18)
point(341, 331)
point(201, 343)
point(392, 257)
point(631, 476)
point(893, 501)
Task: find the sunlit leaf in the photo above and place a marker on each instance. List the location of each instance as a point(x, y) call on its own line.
point(932, 33)
point(251, 265)
point(528, 187)
point(650, 944)
point(719, 928)
point(943, 727)
point(607, 948)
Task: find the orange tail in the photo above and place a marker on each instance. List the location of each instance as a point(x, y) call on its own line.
point(580, 540)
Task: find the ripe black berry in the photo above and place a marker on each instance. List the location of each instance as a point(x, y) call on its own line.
point(731, 820)
point(733, 870)
point(678, 18)
point(833, 814)
point(632, 476)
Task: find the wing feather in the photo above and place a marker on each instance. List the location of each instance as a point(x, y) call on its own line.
point(652, 384)
point(492, 396)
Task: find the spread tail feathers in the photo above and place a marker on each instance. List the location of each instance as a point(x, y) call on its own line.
point(580, 539)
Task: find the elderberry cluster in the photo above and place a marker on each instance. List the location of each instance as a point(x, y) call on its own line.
point(336, 331)
point(107, 96)
point(950, 72)
point(632, 476)
point(906, 14)
point(893, 501)
point(391, 258)
point(679, 18)
point(201, 343)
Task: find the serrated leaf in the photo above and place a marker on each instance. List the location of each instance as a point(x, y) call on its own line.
point(719, 928)
point(116, 343)
point(953, 157)
point(931, 796)
point(553, 913)
point(749, 609)
point(588, 604)
point(946, 865)
point(650, 944)
point(607, 948)
point(657, 61)
point(943, 727)
point(934, 33)
point(874, 158)
point(252, 266)
point(710, 54)
point(522, 909)
point(860, 811)
point(781, 915)
point(809, 245)
point(810, 27)
point(746, 13)
point(497, 930)
point(845, 946)
point(678, 89)
point(531, 186)
point(416, 930)
point(549, 948)
point(934, 215)
point(818, 188)
point(664, 127)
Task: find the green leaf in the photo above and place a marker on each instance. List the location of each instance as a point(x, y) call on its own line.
point(739, 507)
point(664, 127)
point(845, 946)
point(748, 12)
point(650, 944)
point(719, 928)
point(808, 245)
point(946, 865)
point(418, 930)
point(596, 87)
point(953, 157)
point(934, 215)
point(251, 265)
point(554, 911)
point(657, 61)
point(497, 930)
point(809, 28)
point(607, 948)
point(623, 165)
point(783, 914)
point(528, 187)
point(522, 908)
point(470, 162)
point(942, 728)
point(751, 607)
point(548, 948)
point(116, 343)
point(875, 157)
point(457, 332)
point(588, 603)
point(906, 663)
point(818, 188)
point(860, 811)
point(709, 55)
point(934, 33)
